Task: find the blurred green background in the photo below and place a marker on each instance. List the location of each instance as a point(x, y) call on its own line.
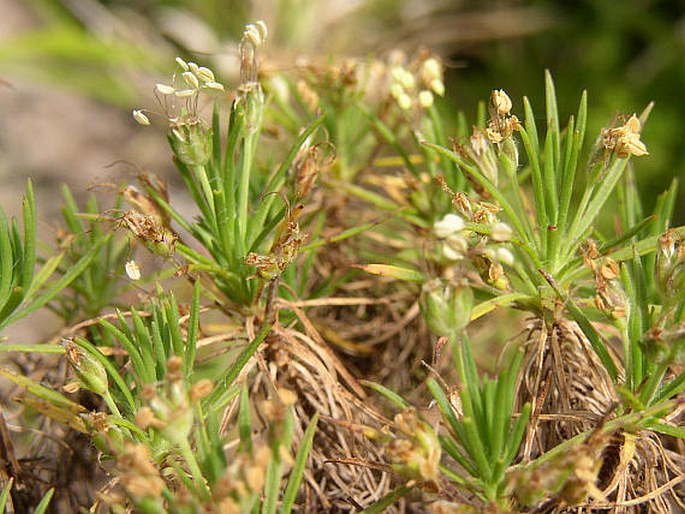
point(73, 69)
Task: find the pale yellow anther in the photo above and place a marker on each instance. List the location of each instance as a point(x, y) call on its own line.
point(165, 89)
point(190, 79)
point(140, 117)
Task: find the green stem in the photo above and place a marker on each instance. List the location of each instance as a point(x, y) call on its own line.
point(189, 456)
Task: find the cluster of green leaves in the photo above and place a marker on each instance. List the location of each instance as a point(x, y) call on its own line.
point(484, 440)
point(22, 289)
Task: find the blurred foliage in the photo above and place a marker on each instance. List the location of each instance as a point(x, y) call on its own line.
point(626, 57)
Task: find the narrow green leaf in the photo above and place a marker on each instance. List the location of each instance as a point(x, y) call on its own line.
point(44, 393)
point(450, 446)
point(131, 349)
point(145, 347)
point(32, 348)
point(58, 285)
point(171, 312)
point(552, 115)
point(444, 405)
point(671, 430)
point(6, 261)
point(487, 306)
point(111, 370)
point(238, 365)
point(585, 324)
point(381, 505)
point(390, 395)
point(42, 507)
point(245, 421)
point(514, 441)
point(29, 212)
point(297, 473)
point(388, 135)
point(5, 494)
point(193, 327)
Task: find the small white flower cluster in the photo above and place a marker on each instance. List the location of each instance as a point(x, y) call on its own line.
point(256, 33)
point(410, 88)
point(195, 79)
point(451, 230)
point(254, 36)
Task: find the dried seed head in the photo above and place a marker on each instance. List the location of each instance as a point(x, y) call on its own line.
point(500, 102)
point(479, 143)
point(90, 371)
point(201, 389)
point(625, 140)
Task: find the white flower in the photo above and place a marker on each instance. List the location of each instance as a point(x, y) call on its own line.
point(448, 226)
point(432, 68)
point(438, 87)
point(505, 256)
point(404, 101)
point(132, 270)
point(501, 232)
point(426, 99)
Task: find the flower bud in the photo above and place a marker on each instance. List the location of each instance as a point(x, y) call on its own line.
point(449, 225)
point(446, 307)
point(88, 369)
point(404, 102)
point(501, 232)
point(426, 99)
point(505, 256)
